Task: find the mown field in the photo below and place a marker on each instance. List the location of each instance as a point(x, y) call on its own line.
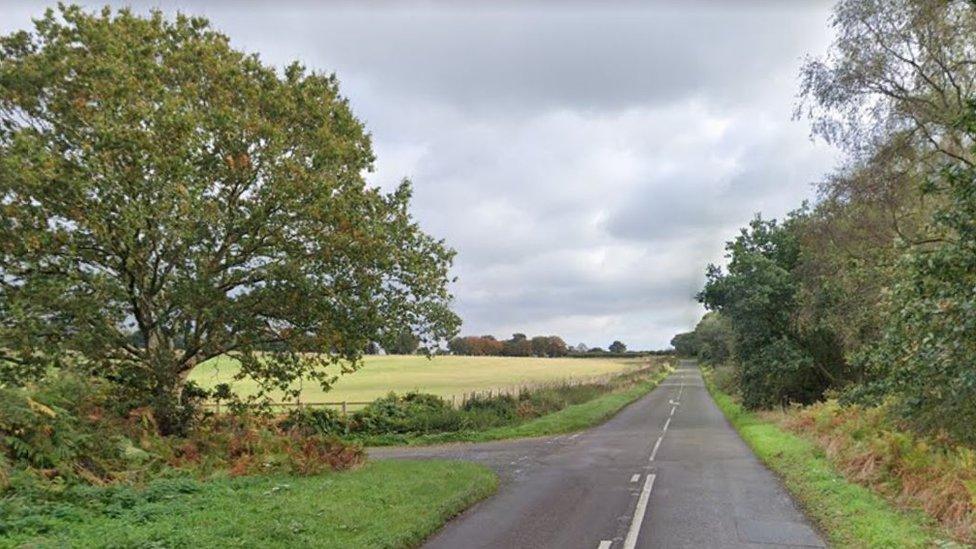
point(445, 376)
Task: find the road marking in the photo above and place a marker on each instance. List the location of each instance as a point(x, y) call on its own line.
point(635, 477)
point(666, 425)
point(605, 544)
point(673, 408)
point(635, 524)
point(656, 446)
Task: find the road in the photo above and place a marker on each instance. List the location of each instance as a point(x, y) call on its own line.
point(667, 471)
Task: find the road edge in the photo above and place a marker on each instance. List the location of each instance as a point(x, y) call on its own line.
point(846, 514)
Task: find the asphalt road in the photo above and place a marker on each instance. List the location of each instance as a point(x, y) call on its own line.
point(667, 471)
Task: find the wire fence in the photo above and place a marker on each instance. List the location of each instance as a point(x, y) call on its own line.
point(458, 400)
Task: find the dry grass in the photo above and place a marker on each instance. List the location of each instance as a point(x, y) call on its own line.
point(445, 376)
point(916, 472)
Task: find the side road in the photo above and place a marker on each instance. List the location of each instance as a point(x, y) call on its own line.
point(668, 471)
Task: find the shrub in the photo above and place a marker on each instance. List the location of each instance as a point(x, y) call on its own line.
point(322, 421)
point(409, 413)
point(65, 431)
point(57, 431)
point(309, 455)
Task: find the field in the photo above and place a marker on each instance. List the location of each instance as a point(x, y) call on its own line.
point(446, 376)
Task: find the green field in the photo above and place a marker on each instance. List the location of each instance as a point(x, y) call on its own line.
point(446, 376)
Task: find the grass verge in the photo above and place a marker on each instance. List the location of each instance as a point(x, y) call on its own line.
point(850, 515)
point(569, 419)
point(383, 504)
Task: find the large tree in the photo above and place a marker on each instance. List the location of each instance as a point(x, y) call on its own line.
point(896, 67)
point(166, 199)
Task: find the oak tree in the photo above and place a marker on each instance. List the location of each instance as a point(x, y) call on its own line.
point(167, 199)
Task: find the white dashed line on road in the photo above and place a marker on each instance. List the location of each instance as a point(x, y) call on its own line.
point(605, 544)
point(656, 446)
point(635, 477)
point(635, 524)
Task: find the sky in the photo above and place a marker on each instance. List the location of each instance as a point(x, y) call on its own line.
point(586, 160)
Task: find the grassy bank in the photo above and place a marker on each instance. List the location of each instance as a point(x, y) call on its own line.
point(384, 504)
point(851, 515)
point(445, 376)
point(570, 419)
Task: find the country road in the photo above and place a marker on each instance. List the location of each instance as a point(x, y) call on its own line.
point(667, 471)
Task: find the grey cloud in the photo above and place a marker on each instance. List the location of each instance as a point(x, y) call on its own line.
point(586, 160)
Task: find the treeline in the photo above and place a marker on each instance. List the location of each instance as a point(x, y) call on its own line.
point(521, 345)
point(871, 292)
point(518, 345)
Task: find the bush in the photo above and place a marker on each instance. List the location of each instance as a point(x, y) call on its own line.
point(57, 431)
point(724, 379)
point(409, 413)
point(311, 421)
point(66, 431)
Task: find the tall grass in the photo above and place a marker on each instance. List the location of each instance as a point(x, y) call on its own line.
point(915, 472)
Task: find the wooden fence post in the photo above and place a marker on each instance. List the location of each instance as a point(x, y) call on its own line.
point(343, 407)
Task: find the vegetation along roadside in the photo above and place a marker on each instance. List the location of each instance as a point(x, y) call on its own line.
point(851, 515)
point(419, 418)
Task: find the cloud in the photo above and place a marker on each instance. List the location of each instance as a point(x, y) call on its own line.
point(587, 161)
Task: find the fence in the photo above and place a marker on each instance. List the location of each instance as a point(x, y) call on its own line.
point(459, 400)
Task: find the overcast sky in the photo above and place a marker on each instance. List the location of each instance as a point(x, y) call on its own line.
point(586, 161)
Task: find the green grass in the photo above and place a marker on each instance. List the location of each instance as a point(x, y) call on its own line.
point(384, 504)
point(851, 515)
point(569, 419)
point(444, 376)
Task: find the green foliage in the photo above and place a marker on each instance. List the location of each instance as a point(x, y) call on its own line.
point(710, 342)
point(925, 356)
point(405, 343)
point(54, 431)
point(167, 199)
point(686, 344)
point(412, 412)
point(777, 362)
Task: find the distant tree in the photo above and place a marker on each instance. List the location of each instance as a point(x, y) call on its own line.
point(596, 350)
point(406, 343)
point(581, 348)
point(459, 346)
point(711, 341)
point(618, 347)
point(686, 344)
point(557, 347)
point(519, 345)
point(540, 346)
point(152, 178)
